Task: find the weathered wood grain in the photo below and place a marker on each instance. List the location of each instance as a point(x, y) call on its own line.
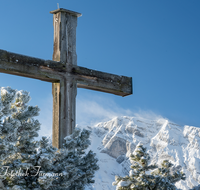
point(16, 64)
point(64, 51)
point(101, 81)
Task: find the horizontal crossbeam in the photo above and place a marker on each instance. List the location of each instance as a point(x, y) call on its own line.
point(25, 66)
point(101, 81)
point(52, 71)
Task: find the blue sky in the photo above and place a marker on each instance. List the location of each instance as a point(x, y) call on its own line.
point(157, 43)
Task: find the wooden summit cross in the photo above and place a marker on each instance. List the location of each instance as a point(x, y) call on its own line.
point(64, 74)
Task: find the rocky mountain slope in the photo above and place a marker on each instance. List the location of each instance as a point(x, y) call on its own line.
point(114, 140)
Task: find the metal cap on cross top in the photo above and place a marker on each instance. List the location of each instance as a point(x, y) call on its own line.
point(66, 11)
point(64, 74)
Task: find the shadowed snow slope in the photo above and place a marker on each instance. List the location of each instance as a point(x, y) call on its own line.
point(114, 140)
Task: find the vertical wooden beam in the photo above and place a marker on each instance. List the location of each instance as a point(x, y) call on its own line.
point(64, 93)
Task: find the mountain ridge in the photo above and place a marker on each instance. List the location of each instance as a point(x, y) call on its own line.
point(113, 141)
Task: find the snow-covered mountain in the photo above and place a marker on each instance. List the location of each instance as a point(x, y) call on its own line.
point(114, 140)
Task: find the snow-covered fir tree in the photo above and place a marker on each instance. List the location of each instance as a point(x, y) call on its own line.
point(160, 178)
point(29, 164)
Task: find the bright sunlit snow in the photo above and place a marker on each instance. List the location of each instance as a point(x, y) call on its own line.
point(114, 140)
